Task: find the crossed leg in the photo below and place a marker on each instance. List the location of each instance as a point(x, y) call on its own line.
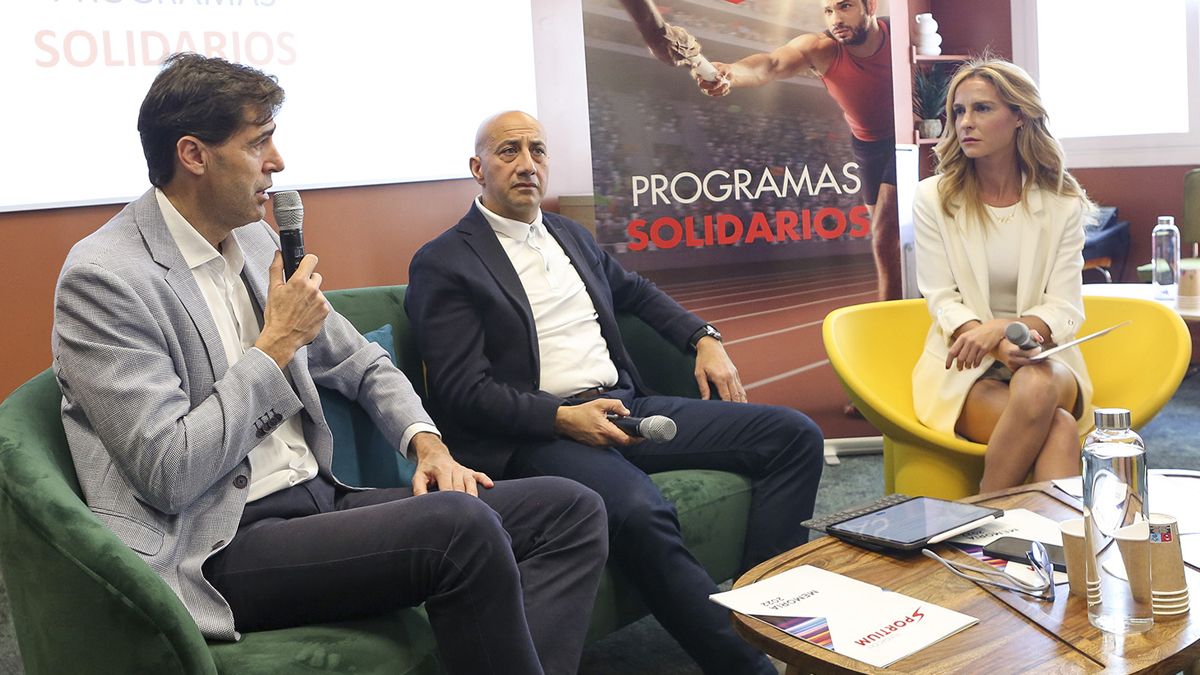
point(1026, 423)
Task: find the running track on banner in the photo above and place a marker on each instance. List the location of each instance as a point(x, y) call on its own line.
point(771, 323)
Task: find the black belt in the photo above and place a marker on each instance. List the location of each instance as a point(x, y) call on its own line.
point(591, 394)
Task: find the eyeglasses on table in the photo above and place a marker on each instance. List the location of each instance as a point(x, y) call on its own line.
point(1039, 560)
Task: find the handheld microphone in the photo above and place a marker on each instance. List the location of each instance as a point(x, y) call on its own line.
point(1018, 334)
point(653, 428)
point(289, 216)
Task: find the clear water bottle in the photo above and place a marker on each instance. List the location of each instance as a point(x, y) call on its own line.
point(1116, 525)
point(1164, 258)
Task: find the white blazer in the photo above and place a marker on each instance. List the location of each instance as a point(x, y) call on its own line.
point(952, 274)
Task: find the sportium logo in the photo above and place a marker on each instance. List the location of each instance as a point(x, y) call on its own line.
point(887, 630)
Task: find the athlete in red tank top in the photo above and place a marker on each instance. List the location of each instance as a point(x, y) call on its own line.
point(853, 58)
point(862, 87)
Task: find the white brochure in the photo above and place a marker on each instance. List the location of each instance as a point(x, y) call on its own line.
point(1021, 523)
point(852, 618)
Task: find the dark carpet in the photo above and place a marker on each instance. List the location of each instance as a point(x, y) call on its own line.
point(644, 648)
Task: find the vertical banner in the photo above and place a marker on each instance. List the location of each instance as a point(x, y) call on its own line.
point(757, 206)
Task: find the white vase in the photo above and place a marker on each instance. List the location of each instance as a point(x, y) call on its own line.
point(929, 128)
point(929, 40)
point(926, 23)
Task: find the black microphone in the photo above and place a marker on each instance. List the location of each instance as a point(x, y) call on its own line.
point(1018, 334)
point(289, 216)
point(653, 428)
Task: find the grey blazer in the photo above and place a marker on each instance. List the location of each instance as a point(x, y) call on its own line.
point(160, 425)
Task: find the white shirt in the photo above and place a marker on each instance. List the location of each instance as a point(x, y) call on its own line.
point(1003, 256)
point(572, 350)
point(282, 459)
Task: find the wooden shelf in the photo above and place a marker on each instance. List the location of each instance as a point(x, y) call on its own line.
point(921, 58)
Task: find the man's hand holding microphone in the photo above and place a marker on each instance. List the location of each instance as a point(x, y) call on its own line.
point(296, 308)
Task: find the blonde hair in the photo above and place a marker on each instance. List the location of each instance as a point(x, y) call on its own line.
point(1039, 155)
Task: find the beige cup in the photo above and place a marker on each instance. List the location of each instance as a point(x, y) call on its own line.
point(1075, 552)
point(1181, 604)
point(1134, 543)
point(1166, 556)
point(1189, 283)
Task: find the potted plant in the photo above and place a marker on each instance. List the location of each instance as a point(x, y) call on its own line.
point(929, 99)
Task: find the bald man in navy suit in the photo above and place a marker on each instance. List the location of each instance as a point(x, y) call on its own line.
point(515, 310)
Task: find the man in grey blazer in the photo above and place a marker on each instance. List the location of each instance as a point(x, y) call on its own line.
point(189, 366)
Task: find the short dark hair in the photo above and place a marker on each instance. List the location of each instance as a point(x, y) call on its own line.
point(204, 97)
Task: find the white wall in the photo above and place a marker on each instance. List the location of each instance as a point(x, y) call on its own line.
point(562, 92)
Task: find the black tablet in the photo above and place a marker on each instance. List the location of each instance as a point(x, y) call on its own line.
point(913, 524)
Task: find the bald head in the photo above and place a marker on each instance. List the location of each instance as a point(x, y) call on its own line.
point(502, 120)
point(510, 164)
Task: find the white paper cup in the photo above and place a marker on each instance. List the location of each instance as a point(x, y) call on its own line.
point(1075, 552)
point(1133, 541)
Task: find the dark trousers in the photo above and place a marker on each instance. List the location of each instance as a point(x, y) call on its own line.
point(508, 579)
point(779, 449)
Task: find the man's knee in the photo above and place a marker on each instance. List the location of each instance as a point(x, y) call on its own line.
point(794, 444)
point(461, 514)
point(579, 507)
point(802, 433)
point(565, 493)
point(640, 513)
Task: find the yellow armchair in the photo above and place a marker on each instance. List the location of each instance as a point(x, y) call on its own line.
point(873, 348)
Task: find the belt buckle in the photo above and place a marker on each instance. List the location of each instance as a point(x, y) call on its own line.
point(591, 394)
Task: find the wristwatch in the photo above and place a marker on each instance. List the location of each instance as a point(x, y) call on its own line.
point(707, 330)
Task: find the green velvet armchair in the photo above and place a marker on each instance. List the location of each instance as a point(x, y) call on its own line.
point(84, 603)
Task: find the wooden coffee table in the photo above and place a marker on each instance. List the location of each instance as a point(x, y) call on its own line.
point(1015, 634)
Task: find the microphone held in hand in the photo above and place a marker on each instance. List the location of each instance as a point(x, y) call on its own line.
point(653, 428)
point(289, 216)
point(1018, 334)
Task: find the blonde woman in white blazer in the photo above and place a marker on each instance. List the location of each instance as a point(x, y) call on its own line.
point(999, 236)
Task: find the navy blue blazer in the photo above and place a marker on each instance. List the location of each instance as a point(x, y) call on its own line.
point(476, 334)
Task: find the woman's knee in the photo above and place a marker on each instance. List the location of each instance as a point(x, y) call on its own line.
point(1063, 438)
point(1032, 389)
point(1065, 425)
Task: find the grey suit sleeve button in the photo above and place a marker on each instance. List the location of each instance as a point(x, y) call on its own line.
point(240, 482)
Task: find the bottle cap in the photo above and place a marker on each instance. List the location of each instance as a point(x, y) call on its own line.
point(1112, 418)
point(1166, 220)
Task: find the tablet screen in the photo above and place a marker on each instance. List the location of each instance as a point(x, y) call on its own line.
point(914, 520)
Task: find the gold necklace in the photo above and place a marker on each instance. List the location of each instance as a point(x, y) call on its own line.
point(1003, 216)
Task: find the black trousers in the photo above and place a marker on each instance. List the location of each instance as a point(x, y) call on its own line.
point(508, 579)
point(779, 449)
